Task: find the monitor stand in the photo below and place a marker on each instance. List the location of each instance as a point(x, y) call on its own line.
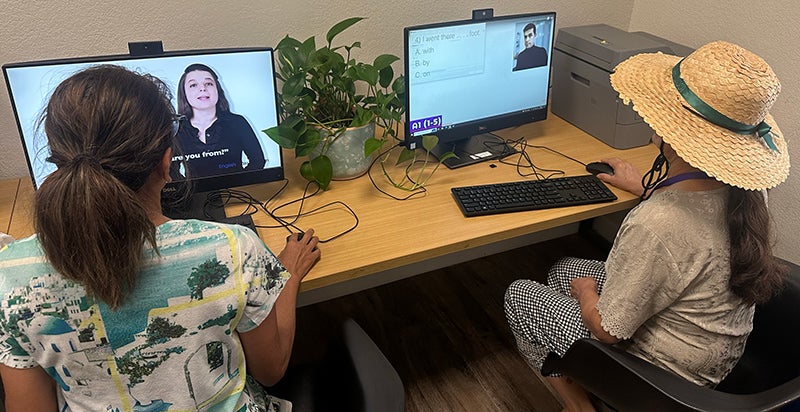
point(474, 149)
point(198, 207)
point(194, 206)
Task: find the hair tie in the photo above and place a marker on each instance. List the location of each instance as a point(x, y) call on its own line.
point(85, 157)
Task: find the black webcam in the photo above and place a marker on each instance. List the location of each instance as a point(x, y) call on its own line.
point(482, 14)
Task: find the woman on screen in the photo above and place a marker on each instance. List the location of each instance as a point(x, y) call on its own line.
point(111, 305)
point(211, 138)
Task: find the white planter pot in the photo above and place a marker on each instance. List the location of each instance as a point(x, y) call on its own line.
point(347, 152)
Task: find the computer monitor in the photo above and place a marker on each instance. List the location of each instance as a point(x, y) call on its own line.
point(467, 78)
point(245, 78)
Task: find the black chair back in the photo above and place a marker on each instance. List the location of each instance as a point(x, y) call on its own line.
point(766, 378)
point(772, 354)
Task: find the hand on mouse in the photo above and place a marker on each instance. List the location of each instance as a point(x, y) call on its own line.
point(299, 255)
point(625, 176)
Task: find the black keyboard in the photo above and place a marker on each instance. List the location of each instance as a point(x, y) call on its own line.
point(507, 197)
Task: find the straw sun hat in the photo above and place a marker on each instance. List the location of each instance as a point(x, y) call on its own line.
point(719, 120)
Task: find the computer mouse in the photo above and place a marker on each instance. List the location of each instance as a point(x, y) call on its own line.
point(599, 167)
point(299, 236)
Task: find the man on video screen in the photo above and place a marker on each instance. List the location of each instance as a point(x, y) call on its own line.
point(533, 55)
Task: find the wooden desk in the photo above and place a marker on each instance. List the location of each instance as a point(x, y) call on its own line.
point(8, 195)
point(21, 224)
point(396, 239)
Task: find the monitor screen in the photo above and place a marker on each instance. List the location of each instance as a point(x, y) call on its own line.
point(221, 151)
point(466, 78)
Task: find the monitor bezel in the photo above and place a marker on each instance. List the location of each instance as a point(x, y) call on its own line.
point(175, 188)
point(479, 126)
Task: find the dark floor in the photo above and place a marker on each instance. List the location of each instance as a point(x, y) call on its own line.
point(445, 331)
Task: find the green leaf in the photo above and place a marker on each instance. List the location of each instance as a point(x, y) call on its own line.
point(287, 42)
point(321, 171)
point(368, 73)
point(307, 47)
point(289, 56)
point(293, 86)
point(297, 123)
point(307, 141)
point(371, 145)
point(406, 155)
point(384, 60)
point(305, 171)
point(340, 27)
point(446, 156)
point(399, 85)
point(386, 76)
point(362, 117)
point(321, 57)
point(284, 136)
point(429, 142)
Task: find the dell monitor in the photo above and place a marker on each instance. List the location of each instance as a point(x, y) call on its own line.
point(202, 161)
point(465, 79)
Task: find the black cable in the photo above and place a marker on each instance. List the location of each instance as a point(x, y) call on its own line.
point(300, 213)
point(524, 161)
point(220, 198)
point(507, 149)
point(657, 173)
point(559, 153)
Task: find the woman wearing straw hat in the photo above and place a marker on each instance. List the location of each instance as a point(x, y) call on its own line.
point(690, 262)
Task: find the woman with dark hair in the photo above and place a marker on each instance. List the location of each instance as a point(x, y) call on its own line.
point(212, 139)
point(111, 305)
point(689, 262)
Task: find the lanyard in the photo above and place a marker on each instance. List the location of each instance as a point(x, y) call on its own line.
point(681, 177)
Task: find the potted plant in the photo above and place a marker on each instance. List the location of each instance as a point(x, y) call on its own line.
point(325, 95)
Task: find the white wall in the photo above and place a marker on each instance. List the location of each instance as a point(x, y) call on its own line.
point(771, 31)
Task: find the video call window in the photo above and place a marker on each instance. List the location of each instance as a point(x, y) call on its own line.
point(468, 71)
point(226, 97)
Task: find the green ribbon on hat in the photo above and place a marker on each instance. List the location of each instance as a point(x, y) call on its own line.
point(712, 115)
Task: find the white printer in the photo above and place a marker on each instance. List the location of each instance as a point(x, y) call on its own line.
point(583, 59)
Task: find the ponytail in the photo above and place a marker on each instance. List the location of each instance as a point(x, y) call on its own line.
point(92, 229)
point(756, 275)
point(108, 129)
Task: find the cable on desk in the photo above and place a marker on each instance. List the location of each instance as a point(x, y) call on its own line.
point(300, 213)
point(524, 161)
point(221, 198)
point(522, 145)
point(558, 153)
point(502, 143)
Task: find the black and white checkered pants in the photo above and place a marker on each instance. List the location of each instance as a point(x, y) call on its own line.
point(545, 318)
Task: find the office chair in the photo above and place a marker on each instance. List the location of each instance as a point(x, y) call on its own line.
point(766, 378)
point(353, 376)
